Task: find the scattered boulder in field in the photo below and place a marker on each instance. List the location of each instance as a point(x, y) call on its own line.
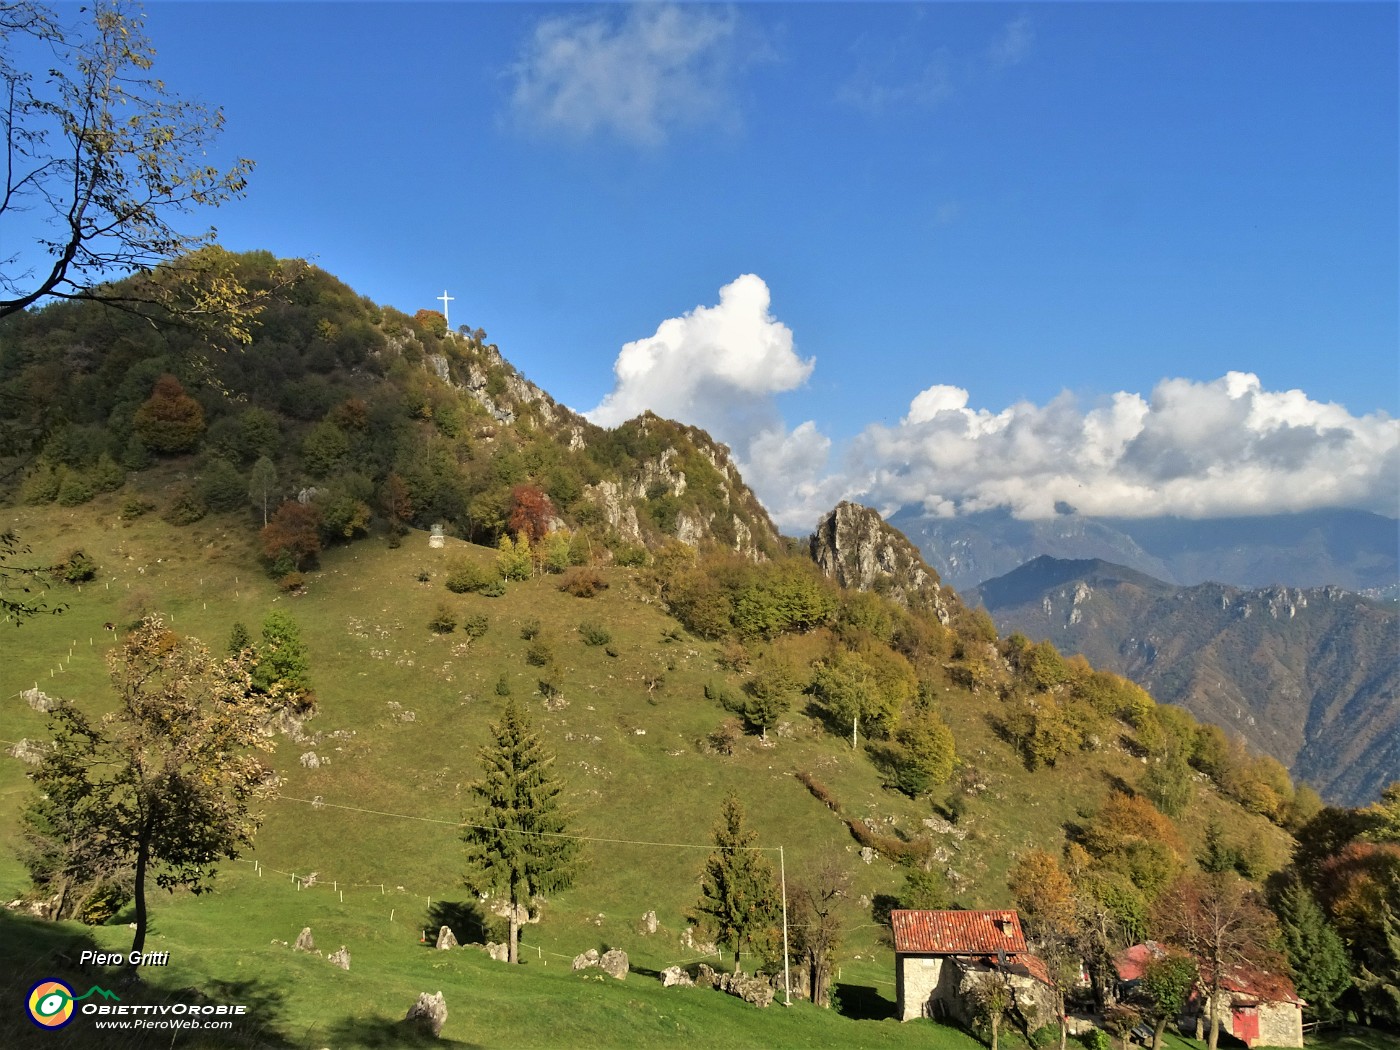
point(304, 940)
point(499, 952)
point(446, 939)
point(649, 923)
point(587, 959)
point(614, 963)
point(675, 977)
point(340, 958)
point(429, 1013)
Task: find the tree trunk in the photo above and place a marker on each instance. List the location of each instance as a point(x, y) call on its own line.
point(996, 1031)
point(143, 853)
point(736, 958)
point(1214, 1028)
point(513, 950)
point(1157, 1031)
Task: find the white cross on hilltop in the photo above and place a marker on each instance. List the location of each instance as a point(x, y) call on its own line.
point(445, 300)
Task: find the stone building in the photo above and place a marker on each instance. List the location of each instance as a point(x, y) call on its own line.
point(1257, 1008)
point(942, 957)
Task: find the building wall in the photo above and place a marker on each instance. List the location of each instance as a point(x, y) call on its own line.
point(1280, 1024)
point(918, 979)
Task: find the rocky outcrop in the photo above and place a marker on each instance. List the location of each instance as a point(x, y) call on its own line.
point(446, 939)
point(854, 546)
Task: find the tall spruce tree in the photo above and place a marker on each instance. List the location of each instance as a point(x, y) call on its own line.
point(739, 897)
point(1316, 956)
point(515, 836)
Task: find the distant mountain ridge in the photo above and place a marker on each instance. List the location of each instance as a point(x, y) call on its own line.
point(1309, 675)
point(1353, 549)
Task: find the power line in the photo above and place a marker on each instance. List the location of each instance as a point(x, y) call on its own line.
point(318, 804)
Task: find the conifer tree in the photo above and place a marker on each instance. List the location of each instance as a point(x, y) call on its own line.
point(1316, 956)
point(739, 898)
point(515, 838)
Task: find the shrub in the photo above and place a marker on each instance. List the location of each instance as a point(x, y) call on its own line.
point(185, 508)
point(1046, 1035)
point(135, 506)
point(475, 625)
point(593, 633)
point(467, 576)
point(725, 737)
point(530, 629)
point(75, 489)
point(1095, 1039)
point(631, 556)
point(444, 621)
point(539, 654)
point(495, 589)
point(292, 582)
point(503, 685)
point(583, 583)
point(76, 567)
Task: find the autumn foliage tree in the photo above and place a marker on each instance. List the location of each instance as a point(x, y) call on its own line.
point(165, 783)
point(531, 512)
point(292, 539)
point(169, 421)
point(1219, 920)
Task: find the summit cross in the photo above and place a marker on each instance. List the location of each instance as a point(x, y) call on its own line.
point(445, 300)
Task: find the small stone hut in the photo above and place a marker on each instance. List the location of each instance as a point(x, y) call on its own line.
point(941, 957)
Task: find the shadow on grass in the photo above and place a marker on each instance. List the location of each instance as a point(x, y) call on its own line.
point(375, 1032)
point(34, 950)
point(861, 1002)
point(468, 922)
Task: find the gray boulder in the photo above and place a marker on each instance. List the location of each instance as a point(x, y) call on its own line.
point(614, 963)
point(446, 939)
point(675, 977)
point(428, 1014)
point(587, 959)
point(340, 958)
point(304, 942)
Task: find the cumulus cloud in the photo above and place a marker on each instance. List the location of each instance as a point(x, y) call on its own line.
point(1195, 449)
point(716, 367)
point(636, 72)
point(1190, 448)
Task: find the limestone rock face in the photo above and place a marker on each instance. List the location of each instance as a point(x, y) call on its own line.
point(854, 546)
point(429, 1013)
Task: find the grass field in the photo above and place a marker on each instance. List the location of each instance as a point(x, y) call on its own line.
point(402, 713)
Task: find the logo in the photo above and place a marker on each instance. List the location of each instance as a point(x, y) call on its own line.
point(51, 1002)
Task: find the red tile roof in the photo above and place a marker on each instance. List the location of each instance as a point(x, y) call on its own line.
point(957, 932)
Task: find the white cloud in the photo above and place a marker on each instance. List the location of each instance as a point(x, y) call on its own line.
point(635, 72)
point(1013, 45)
point(1194, 449)
point(715, 367)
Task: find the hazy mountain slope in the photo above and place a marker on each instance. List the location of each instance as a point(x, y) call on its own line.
point(1311, 676)
point(1345, 548)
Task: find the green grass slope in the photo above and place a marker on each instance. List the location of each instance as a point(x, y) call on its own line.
point(402, 713)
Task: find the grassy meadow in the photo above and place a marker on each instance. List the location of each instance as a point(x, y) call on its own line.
point(364, 849)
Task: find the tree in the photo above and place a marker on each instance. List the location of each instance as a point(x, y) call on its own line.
point(170, 420)
point(515, 835)
point(1317, 958)
point(283, 668)
point(817, 914)
point(531, 512)
point(165, 783)
point(100, 159)
point(19, 581)
point(1218, 919)
point(767, 693)
point(262, 485)
point(739, 898)
point(1046, 900)
point(1163, 990)
point(293, 537)
point(991, 1000)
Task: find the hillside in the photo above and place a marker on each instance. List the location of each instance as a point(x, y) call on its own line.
point(628, 591)
point(1355, 550)
point(1310, 676)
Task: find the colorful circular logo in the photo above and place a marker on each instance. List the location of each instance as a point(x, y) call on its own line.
point(51, 1004)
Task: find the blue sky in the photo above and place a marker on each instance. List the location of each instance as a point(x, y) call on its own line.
point(1139, 257)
